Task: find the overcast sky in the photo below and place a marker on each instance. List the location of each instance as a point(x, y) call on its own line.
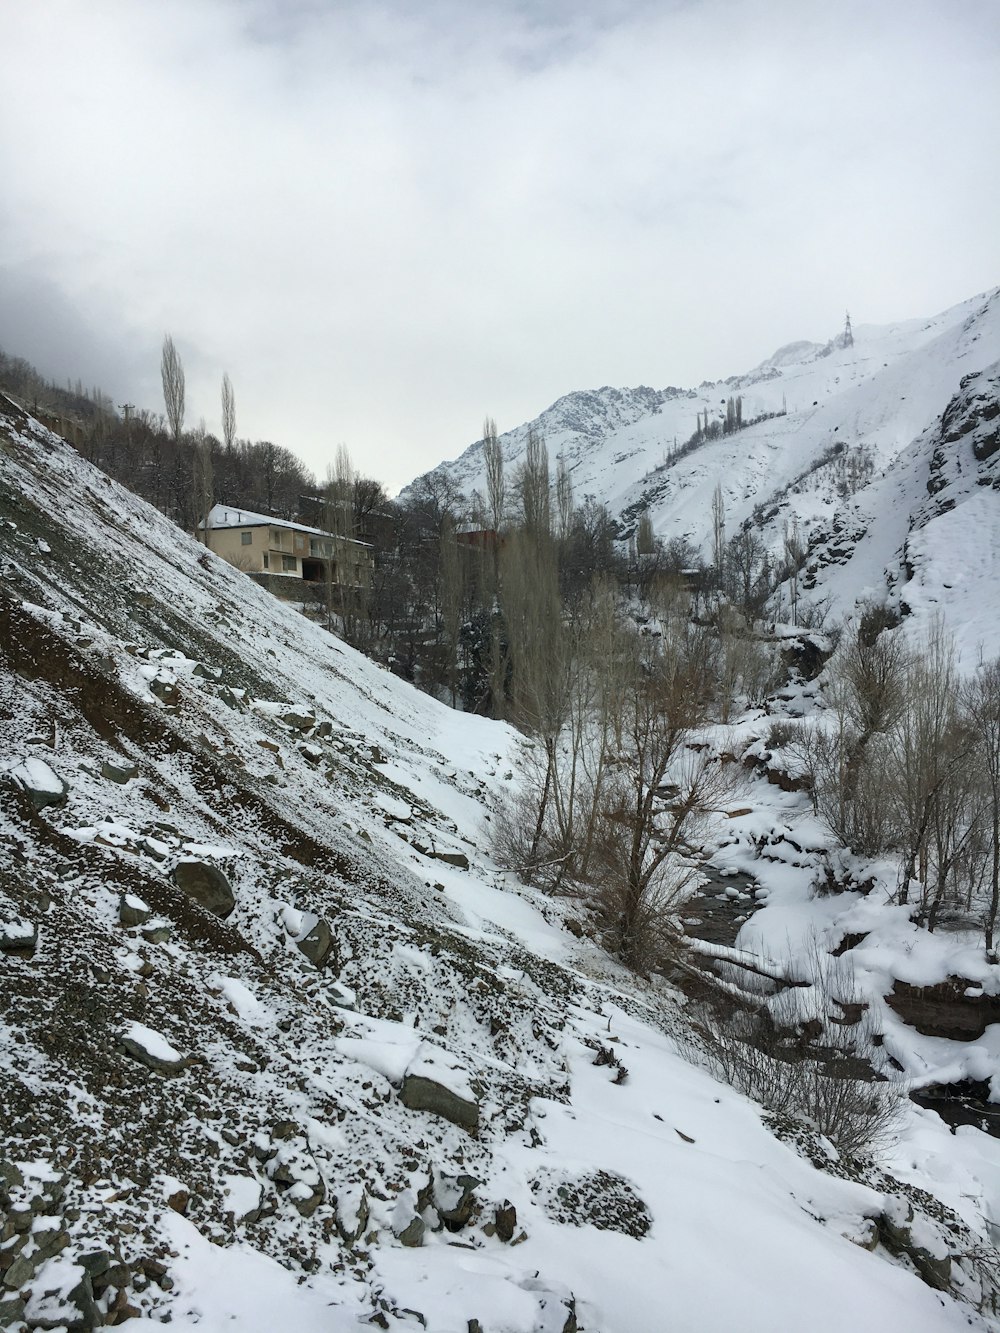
point(387, 220)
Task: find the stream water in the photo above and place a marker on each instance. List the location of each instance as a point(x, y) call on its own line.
point(720, 907)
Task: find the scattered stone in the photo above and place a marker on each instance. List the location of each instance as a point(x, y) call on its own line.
point(41, 784)
point(207, 672)
point(157, 932)
point(132, 911)
point(206, 884)
point(119, 770)
point(293, 1169)
point(232, 698)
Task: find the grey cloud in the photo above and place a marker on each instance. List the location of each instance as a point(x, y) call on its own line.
point(386, 220)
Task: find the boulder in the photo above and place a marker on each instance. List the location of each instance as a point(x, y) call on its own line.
point(898, 1231)
point(132, 911)
point(458, 859)
point(153, 1050)
point(454, 1199)
point(41, 784)
point(317, 942)
point(436, 1083)
point(119, 770)
point(62, 1297)
point(352, 1211)
point(407, 1224)
point(164, 686)
point(505, 1221)
point(18, 937)
point(206, 884)
point(299, 719)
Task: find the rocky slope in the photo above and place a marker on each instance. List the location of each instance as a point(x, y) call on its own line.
point(280, 1047)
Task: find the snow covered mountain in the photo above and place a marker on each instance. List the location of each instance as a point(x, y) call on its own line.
point(282, 1048)
point(829, 420)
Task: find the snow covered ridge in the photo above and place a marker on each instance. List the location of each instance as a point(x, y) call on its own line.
point(280, 1047)
point(879, 393)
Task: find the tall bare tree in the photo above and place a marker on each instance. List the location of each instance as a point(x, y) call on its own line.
point(496, 489)
point(228, 413)
point(533, 479)
point(172, 375)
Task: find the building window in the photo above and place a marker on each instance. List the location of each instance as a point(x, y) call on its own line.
point(246, 538)
point(288, 562)
point(265, 560)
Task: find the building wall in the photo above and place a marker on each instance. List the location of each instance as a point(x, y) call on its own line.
point(280, 546)
point(229, 543)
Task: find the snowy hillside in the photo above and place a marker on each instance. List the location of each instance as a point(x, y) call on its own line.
point(873, 396)
point(281, 1047)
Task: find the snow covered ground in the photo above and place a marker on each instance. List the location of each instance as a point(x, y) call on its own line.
point(289, 1174)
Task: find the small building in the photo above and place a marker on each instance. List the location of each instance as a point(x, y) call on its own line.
point(260, 544)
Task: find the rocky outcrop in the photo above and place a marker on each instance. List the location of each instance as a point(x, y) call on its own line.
point(954, 1008)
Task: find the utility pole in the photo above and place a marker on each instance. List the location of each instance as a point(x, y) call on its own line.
point(126, 410)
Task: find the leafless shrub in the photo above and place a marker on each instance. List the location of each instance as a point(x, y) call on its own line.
point(812, 1058)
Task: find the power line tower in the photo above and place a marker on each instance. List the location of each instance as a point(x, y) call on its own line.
point(848, 335)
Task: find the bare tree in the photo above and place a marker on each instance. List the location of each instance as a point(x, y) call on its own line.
point(718, 530)
point(533, 479)
point(172, 375)
point(496, 489)
point(228, 413)
point(564, 501)
point(204, 481)
point(982, 702)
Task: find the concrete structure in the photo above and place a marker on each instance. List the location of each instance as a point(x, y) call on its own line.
point(262, 544)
